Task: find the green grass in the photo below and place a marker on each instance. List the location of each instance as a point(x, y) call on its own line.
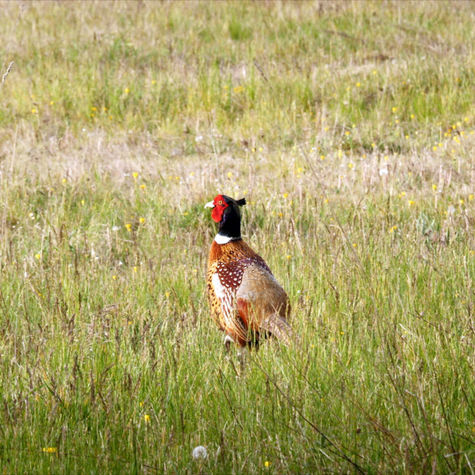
point(348, 126)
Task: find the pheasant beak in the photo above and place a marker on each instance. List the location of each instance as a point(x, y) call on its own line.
point(209, 205)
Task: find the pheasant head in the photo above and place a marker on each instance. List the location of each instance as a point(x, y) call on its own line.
point(226, 212)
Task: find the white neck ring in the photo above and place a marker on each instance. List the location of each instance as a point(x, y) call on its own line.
point(220, 239)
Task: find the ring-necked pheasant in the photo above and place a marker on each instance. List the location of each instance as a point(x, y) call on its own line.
point(246, 300)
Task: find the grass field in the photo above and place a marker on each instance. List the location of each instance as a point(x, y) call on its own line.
point(348, 126)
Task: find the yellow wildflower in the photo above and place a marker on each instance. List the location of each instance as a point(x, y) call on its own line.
point(266, 464)
point(128, 226)
point(142, 220)
point(146, 418)
point(50, 450)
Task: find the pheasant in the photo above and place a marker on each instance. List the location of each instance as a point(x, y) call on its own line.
point(246, 300)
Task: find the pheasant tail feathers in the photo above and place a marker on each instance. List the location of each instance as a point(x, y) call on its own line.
point(279, 328)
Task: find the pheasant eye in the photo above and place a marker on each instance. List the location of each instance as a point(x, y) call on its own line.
point(220, 202)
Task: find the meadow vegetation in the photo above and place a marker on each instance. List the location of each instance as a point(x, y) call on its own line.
point(348, 126)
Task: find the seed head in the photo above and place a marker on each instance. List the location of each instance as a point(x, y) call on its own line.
point(200, 452)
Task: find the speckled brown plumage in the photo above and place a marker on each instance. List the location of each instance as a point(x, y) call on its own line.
point(246, 300)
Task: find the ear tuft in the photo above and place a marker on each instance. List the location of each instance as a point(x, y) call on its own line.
point(241, 202)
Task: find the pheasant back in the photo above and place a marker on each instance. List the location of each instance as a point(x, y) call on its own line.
point(246, 300)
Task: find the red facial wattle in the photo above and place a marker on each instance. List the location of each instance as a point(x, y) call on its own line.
point(219, 206)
